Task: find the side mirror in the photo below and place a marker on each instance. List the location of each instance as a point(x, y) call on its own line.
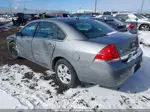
point(19, 34)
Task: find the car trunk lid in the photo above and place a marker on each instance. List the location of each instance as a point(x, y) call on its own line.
point(125, 43)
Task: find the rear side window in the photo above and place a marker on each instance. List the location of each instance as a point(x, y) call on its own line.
point(29, 30)
point(45, 30)
point(60, 34)
point(91, 29)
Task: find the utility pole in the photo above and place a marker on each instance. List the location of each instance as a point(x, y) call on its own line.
point(95, 5)
point(142, 6)
point(10, 8)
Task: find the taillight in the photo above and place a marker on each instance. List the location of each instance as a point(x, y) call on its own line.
point(108, 53)
point(131, 26)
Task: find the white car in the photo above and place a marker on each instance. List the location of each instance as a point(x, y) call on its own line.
point(143, 23)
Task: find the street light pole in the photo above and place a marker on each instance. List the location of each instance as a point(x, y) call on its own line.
point(95, 5)
point(142, 6)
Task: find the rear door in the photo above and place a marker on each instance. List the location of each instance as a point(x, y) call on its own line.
point(24, 42)
point(43, 43)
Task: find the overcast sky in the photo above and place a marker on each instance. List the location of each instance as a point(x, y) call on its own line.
point(73, 5)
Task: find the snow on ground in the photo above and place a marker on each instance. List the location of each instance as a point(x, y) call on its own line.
point(38, 90)
point(9, 102)
point(7, 26)
point(144, 37)
point(4, 19)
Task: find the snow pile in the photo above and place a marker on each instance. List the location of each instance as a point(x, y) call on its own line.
point(37, 90)
point(5, 20)
point(144, 37)
point(2, 19)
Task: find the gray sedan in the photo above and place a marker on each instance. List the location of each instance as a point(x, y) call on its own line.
point(78, 50)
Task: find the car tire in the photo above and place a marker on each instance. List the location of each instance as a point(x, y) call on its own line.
point(13, 50)
point(144, 27)
point(63, 67)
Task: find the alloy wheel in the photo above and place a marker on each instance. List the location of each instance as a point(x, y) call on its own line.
point(64, 74)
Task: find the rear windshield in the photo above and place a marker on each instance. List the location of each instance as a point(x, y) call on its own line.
point(91, 28)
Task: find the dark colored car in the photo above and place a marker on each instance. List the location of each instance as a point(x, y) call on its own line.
point(132, 26)
point(114, 23)
point(119, 25)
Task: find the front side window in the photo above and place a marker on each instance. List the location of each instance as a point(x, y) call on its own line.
point(29, 30)
point(91, 29)
point(45, 30)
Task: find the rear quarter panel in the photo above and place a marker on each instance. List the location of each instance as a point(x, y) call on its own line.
point(79, 53)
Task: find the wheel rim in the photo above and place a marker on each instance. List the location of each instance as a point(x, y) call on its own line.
point(64, 74)
point(145, 28)
point(13, 50)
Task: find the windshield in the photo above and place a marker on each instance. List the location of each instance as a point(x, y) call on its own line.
point(90, 28)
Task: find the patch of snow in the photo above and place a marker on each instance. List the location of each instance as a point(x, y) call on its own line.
point(5, 20)
point(144, 37)
point(9, 102)
point(7, 26)
point(38, 90)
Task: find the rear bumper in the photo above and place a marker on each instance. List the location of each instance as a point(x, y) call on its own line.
point(110, 74)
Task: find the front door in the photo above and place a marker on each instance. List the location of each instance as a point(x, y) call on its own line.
point(24, 42)
point(43, 43)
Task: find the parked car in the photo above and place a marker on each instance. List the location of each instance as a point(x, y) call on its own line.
point(109, 13)
point(86, 15)
point(142, 22)
point(60, 15)
point(78, 50)
point(118, 24)
point(114, 23)
point(146, 15)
